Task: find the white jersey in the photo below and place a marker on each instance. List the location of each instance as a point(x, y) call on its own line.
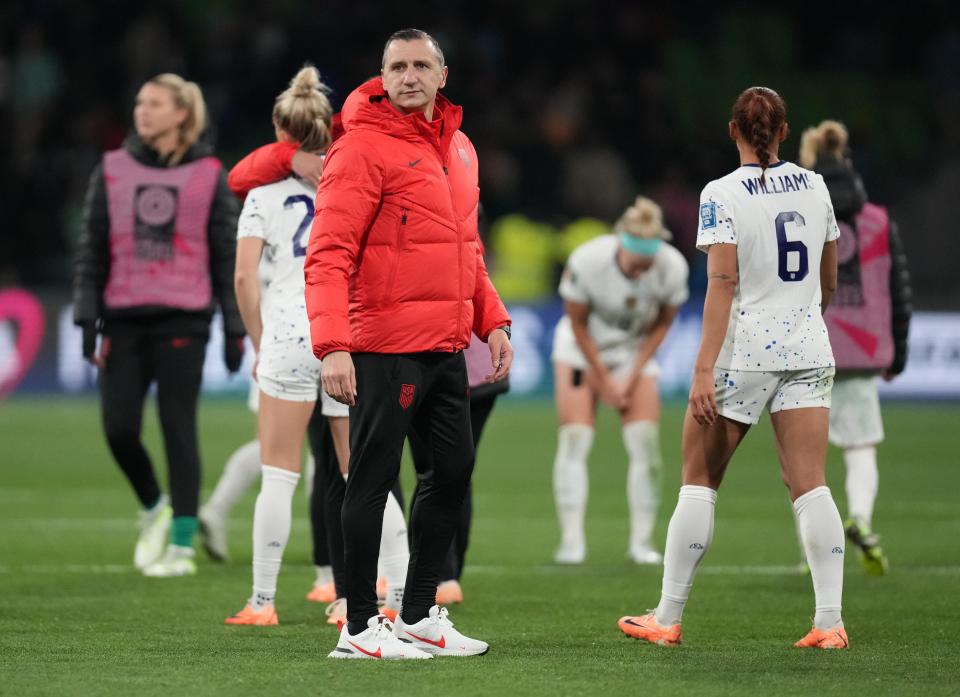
point(281, 215)
point(780, 229)
point(622, 309)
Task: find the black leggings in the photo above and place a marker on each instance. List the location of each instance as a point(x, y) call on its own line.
point(480, 409)
point(135, 359)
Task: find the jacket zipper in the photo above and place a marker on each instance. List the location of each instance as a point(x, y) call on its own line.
point(453, 341)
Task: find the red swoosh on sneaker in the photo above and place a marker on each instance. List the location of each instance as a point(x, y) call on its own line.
point(375, 654)
point(439, 644)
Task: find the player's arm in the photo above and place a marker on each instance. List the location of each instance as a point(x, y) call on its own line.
point(828, 274)
point(247, 286)
point(579, 314)
point(655, 337)
point(265, 165)
point(722, 280)
point(901, 298)
point(92, 262)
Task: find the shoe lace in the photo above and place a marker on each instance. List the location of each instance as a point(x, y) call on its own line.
point(384, 631)
point(443, 617)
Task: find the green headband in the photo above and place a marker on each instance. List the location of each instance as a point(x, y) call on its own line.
point(639, 245)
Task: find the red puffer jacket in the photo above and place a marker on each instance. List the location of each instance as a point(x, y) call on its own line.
point(394, 262)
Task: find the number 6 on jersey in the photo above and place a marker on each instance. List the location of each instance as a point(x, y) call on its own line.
point(785, 247)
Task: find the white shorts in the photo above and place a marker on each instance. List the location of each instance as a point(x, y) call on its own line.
point(288, 370)
point(619, 359)
point(855, 416)
point(742, 395)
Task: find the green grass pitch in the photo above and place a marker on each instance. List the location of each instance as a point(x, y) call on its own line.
point(76, 619)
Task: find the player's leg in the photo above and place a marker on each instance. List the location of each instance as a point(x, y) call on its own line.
point(576, 408)
point(178, 364)
point(123, 384)
point(641, 437)
point(321, 450)
point(856, 426)
point(241, 472)
point(800, 418)
point(283, 423)
point(706, 453)
point(443, 423)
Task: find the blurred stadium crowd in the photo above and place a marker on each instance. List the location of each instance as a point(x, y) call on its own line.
point(574, 107)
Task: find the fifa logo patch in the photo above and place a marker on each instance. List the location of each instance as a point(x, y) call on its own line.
point(708, 215)
point(406, 395)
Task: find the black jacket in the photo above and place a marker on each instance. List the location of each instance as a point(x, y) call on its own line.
point(92, 263)
point(848, 196)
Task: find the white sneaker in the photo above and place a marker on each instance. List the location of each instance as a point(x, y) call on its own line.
point(645, 554)
point(435, 634)
point(154, 530)
point(570, 554)
point(176, 561)
point(213, 534)
point(376, 641)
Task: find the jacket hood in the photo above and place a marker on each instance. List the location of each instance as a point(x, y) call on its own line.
point(368, 107)
point(845, 186)
point(144, 154)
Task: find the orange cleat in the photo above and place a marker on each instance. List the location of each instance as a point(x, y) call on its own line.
point(266, 617)
point(389, 614)
point(646, 628)
point(324, 593)
point(835, 638)
point(337, 611)
point(382, 588)
point(449, 593)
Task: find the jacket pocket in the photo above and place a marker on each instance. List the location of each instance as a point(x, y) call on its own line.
point(387, 297)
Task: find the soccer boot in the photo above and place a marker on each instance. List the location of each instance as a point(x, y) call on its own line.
point(646, 628)
point(435, 634)
point(872, 558)
point(264, 617)
point(176, 561)
point(376, 641)
point(644, 554)
point(213, 534)
point(337, 611)
point(154, 531)
point(322, 593)
point(835, 638)
point(449, 593)
point(570, 554)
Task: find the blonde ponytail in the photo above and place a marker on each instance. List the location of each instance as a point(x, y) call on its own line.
point(828, 140)
point(644, 219)
point(186, 95)
point(304, 111)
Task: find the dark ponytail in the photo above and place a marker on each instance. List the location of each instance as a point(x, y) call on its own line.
point(759, 113)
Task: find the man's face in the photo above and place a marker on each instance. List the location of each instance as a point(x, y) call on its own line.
point(412, 74)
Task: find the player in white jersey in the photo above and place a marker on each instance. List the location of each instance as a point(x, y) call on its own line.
point(275, 223)
point(769, 232)
point(621, 294)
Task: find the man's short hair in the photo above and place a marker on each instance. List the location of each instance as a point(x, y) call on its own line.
point(412, 35)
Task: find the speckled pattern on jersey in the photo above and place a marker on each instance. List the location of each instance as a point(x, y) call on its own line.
point(780, 229)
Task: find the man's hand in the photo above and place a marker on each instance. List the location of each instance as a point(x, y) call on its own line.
point(703, 398)
point(339, 377)
point(232, 352)
point(307, 166)
point(501, 355)
point(97, 358)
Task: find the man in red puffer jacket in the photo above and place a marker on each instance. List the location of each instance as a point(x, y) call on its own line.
point(395, 284)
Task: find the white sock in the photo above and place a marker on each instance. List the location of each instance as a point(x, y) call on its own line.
point(394, 552)
point(324, 575)
point(688, 538)
point(239, 474)
point(642, 441)
point(823, 542)
point(570, 484)
point(862, 481)
point(271, 530)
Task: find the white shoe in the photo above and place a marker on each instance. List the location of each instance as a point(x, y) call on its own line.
point(154, 530)
point(435, 634)
point(213, 534)
point(570, 554)
point(645, 554)
point(376, 641)
point(176, 561)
